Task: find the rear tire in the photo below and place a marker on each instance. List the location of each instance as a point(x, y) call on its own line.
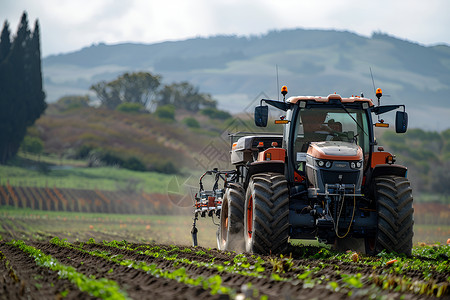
point(230, 235)
point(266, 220)
point(395, 216)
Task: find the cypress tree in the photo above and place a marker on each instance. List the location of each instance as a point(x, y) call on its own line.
point(37, 103)
point(5, 109)
point(5, 42)
point(21, 95)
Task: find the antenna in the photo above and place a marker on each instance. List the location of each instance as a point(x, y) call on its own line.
point(373, 81)
point(278, 84)
point(375, 92)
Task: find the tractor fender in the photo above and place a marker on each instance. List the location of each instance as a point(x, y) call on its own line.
point(383, 170)
point(273, 166)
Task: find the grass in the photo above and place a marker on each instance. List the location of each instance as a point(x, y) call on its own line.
point(104, 178)
point(429, 197)
point(48, 159)
point(38, 224)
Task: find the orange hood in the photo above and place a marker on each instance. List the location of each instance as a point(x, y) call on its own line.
point(335, 150)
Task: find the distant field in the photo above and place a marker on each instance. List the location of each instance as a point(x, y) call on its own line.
point(43, 225)
point(38, 224)
point(105, 178)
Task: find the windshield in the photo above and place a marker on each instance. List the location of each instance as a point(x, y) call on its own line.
point(331, 124)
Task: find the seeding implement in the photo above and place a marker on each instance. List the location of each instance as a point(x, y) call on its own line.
point(323, 178)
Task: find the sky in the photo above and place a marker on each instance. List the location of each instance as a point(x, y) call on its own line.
point(69, 25)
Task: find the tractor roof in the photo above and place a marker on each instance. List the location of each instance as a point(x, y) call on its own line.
point(352, 99)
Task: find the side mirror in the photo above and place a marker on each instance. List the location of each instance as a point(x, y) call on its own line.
point(401, 122)
point(261, 115)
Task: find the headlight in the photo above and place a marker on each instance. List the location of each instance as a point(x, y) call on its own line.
point(323, 163)
point(356, 164)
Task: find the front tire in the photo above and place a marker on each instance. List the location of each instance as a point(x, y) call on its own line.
point(230, 235)
point(395, 216)
point(266, 220)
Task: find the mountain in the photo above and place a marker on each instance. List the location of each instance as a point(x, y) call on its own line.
point(238, 70)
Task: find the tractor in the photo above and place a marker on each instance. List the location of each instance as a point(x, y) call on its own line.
point(324, 178)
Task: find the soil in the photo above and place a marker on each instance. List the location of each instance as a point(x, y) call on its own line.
point(23, 279)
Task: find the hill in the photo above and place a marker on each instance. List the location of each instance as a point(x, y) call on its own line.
point(236, 70)
point(139, 141)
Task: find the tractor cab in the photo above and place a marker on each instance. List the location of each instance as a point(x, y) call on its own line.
point(330, 140)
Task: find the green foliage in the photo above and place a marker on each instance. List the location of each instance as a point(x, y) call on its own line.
point(109, 158)
point(130, 107)
point(164, 166)
point(21, 95)
point(212, 283)
point(281, 265)
point(215, 113)
point(426, 154)
point(352, 281)
point(136, 87)
point(101, 288)
point(72, 102)
point(83, 151)
point(134, 163)
point(108, 178)
point(191, 122)
point(166, 112)
point(186, 96)
point(32, 144)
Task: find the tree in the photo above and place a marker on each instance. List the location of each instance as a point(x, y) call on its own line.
point(5, 41)
point(184, 95)
point(32, 144)
point(133, 88)
point(22, 99)
point(72, 102)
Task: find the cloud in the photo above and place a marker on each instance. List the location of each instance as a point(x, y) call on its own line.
point(71, 25)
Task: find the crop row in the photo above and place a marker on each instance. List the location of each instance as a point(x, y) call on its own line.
point(109, 289)
point(102, 288)
point(385, 274)
point(212, 283)
point(77, 200)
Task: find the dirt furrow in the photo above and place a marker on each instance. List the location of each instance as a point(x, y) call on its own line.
point(324, 267)
point(266, 286)
point(21, 278)
point(137, 284)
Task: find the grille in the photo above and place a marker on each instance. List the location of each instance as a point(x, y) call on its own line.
point(332, 177)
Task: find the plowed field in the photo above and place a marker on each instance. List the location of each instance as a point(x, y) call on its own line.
point(46, 255)
point(120, 270)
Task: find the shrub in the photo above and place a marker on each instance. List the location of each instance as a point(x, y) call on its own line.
point(135, 164)
point(72, 102)
point(166, 167)
point(111, 159)
point(83, 151)
point(32, 144)
point(165, 112)
point(215, 113)
point(191, 122)
point(129, 107)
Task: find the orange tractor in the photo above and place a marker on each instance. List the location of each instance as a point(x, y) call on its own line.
point(323, 178)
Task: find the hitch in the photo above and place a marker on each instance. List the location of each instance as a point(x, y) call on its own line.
point(194, 231)
point(208, 203)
